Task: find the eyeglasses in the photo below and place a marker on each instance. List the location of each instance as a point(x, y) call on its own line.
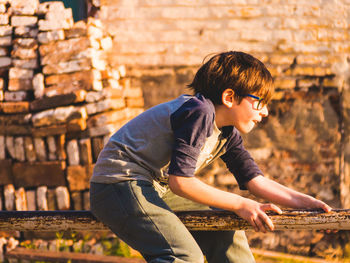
point(258, 104)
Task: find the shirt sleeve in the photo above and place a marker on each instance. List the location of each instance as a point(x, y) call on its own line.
point(239, 162)
point(192, 123)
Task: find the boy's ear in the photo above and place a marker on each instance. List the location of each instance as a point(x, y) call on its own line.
point(228, 98)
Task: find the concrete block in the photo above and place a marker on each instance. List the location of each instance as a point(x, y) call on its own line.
point(60, 143)
point(2, 8)
point(24, 7)
point(38, 85)
point(77, 200)
point(68, 67)
point(2, 147)
point(6, 172)
point(25, 63)
point(52, 150)
point(5, 61)
point(5, 41)
point(4, 52)
point(19, 149)
point(73, 152)
point(46, 7)
point(20, 84)
point(40, 149)
point(10, 146)
point(21, 199)
point(79, 29)
point(76, 125)
point(85, 151)
point(41, 198)
point(50, 36)
point(106, 43)
point(4, 19)
point(58, 100)
point(9, 196)
point(24, 53)
point(86, 200)
point(97, 85)
point(75, 80)
point(58, 115)
point(51, 130)
point(31, 200)
point(15, 107)
point(65, 50)
point(5, 30)
point(78, 177)
point(19, 73)
point(62, 197)
point(56, 24)
point(19, 21)
point(97, 146)
point(26, 31)
point(16, 95)
point(31, 43)
point(36, 174)
point(29, 149)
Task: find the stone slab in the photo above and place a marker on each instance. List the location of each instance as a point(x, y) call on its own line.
point(26, 31)
point(29, 21)
point(49, 131)
point(6, 172)
point(85, 151)
point(58, 100)
point(78, 177)
point(50, 174)
point(14, 107)
point(65, 50)
point(67, 67)
point(12, 130)
point(20, 84)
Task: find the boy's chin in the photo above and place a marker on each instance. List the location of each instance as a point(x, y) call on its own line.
point(246, 129)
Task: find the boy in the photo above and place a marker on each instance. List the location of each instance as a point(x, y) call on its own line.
point(147, 168)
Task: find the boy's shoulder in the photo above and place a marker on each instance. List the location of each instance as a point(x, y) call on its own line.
point(196, 103)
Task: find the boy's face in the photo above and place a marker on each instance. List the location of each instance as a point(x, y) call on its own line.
point(243, 115)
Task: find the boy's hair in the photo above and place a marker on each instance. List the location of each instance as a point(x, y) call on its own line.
point(238, 71)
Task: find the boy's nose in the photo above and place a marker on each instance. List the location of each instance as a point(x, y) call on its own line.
point(264, 111)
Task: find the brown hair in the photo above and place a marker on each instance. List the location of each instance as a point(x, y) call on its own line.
point(235, 70)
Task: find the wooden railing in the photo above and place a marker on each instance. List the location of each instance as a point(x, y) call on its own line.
point(194, 220)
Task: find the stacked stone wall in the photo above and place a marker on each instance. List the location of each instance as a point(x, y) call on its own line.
point(60, 101)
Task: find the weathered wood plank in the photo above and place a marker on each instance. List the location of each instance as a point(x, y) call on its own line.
point(42, 255)
point(194, 220)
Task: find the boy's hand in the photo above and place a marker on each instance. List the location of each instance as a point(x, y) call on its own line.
point(254, 213)
point(315, 203)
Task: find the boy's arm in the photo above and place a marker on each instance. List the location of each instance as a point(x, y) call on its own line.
point(276, 193)
point(195, 190)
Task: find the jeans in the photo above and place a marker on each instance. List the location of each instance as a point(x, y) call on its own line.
point(137, 214)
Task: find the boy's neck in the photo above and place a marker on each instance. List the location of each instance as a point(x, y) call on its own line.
point(220, 116)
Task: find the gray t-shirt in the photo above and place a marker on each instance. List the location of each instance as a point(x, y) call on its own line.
point(179, 137)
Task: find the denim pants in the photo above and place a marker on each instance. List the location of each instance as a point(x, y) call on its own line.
point(137, 214)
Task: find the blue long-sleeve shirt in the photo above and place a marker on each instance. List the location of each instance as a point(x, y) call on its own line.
point(179, 137)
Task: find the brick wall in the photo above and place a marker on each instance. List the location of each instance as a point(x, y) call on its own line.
point(305, 44)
